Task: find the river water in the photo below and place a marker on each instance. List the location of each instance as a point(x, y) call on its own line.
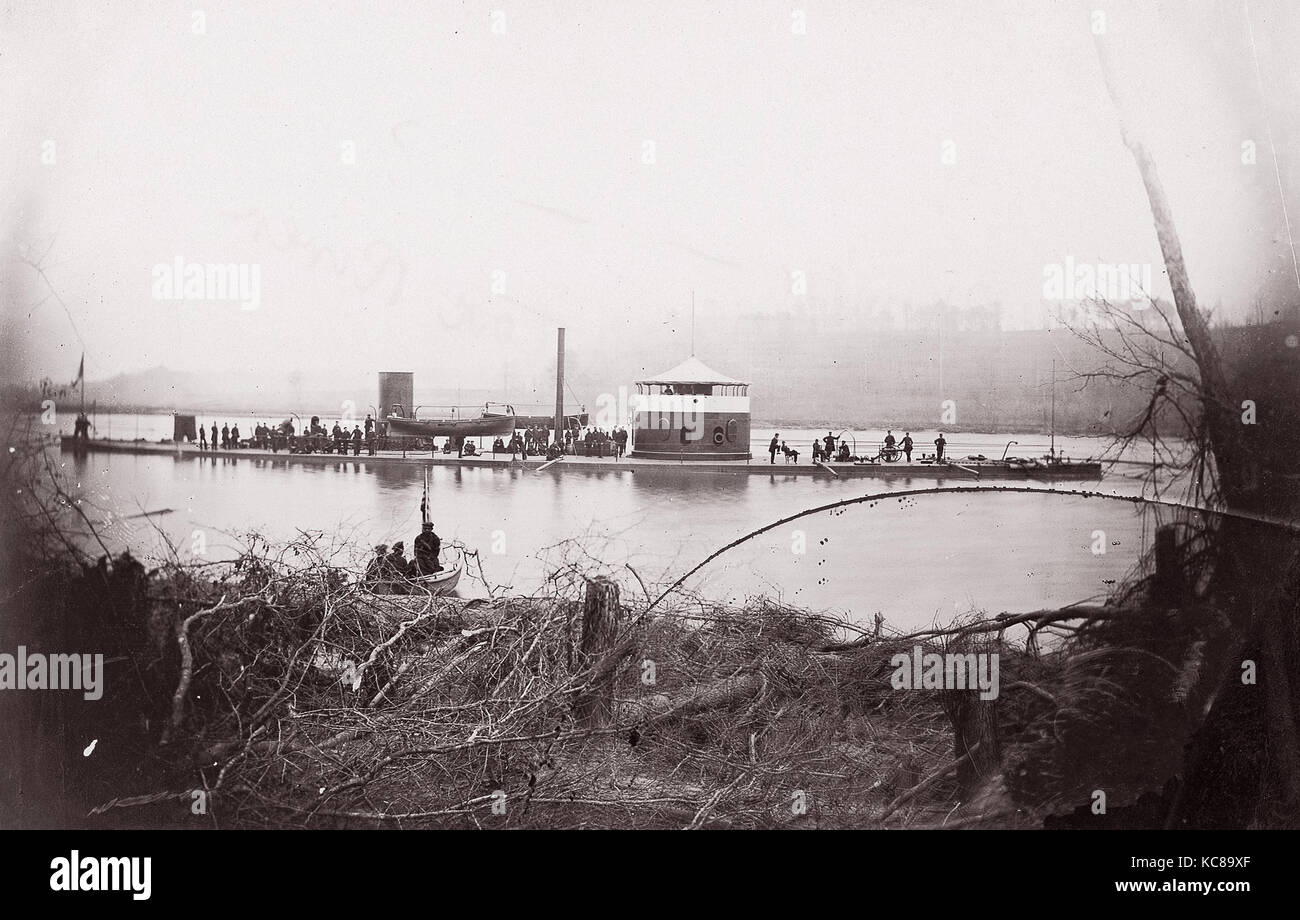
point(914, 560)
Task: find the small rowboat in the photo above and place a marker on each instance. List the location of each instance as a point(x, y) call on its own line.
point(450, 557)
point(485, 426)
point(437, 584)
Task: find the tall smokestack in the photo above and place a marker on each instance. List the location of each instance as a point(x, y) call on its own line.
point(559, 388)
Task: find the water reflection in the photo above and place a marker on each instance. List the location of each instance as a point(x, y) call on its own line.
point(914, 559)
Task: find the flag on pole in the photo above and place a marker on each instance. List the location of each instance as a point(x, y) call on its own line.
point(81, 370)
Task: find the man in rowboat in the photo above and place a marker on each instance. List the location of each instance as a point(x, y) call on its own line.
point(398, 564)
point(376, 569)
point(427, 548)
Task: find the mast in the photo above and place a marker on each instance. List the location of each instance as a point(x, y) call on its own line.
point(559, 387)
point(1053, 449)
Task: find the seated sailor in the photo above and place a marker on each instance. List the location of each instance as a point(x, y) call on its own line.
point(398, 565)
point(427, 549)
point(375, 571)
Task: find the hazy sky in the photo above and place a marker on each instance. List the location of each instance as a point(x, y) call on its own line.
point(517, 166)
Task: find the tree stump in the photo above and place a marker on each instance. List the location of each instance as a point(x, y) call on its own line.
point(974, 727)
point(601, 619)
point(975, 733)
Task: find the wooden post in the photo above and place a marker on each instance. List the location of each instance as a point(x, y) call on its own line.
point(975, 733)
point(974, 726)
point(601, 618)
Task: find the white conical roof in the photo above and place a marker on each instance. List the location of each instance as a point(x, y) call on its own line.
point(692, 370)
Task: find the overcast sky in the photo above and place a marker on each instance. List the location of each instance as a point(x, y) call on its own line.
point(518, 166)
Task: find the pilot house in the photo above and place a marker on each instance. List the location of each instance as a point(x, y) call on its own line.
point(691, 413)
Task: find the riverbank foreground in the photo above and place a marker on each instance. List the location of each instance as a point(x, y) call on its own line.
point(278, 691)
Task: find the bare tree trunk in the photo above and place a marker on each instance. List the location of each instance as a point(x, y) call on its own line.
point(1250, 550)
point(1219, 414)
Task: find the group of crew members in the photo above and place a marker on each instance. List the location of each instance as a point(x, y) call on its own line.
point(315, 438)
point(825, 451)
point(599, 442)
point(595, 441)
point(391, 570)
point(460, 446)
point(536, 441)
point(229, 439)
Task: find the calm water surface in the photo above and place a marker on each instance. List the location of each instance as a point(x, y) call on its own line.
point(914, 560)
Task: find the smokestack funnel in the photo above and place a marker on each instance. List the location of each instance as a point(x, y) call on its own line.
point(559, 387)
